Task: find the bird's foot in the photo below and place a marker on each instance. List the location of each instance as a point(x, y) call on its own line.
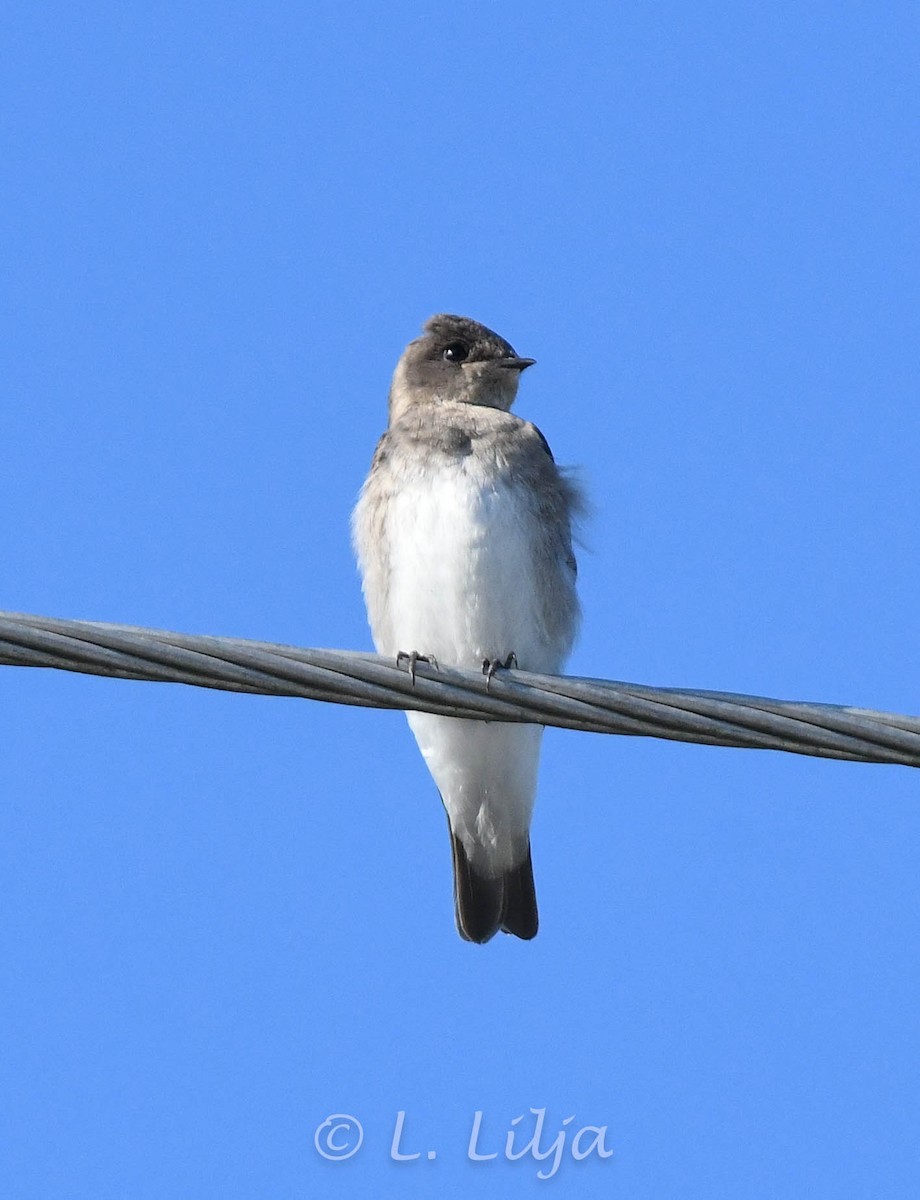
point(412, 658)
point(491, 665)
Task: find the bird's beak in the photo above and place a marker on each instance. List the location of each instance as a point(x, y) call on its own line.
point(516, 364)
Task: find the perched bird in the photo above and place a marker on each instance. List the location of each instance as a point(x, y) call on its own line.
point(463, 532)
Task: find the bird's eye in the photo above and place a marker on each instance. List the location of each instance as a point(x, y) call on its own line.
point(456, 352)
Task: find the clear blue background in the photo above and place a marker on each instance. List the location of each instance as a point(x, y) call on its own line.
point(225, 917)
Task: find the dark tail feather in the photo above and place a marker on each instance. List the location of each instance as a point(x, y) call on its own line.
point(519, 908)
point(484, 905)
point(478, 900)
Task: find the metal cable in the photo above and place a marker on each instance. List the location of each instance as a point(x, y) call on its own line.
point(348, 677)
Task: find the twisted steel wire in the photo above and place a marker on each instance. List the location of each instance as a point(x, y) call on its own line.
point(349, 677)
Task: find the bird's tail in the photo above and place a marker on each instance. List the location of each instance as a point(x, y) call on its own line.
point(485, 905)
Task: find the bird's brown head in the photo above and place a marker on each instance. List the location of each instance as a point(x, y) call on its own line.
point(456, 359)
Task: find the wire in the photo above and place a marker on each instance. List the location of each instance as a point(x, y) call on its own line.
point(349, 677)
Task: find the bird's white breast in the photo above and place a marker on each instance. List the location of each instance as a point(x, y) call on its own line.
point(462, 569)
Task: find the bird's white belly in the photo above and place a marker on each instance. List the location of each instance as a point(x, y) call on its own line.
point(463, 580)
point(463, 577)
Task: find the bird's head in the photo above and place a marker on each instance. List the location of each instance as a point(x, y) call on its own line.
point(456, 359)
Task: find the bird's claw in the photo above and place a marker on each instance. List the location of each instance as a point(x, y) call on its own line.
point(412, 658)
point(491, 665)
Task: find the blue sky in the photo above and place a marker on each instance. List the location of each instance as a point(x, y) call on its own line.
point(228, 917)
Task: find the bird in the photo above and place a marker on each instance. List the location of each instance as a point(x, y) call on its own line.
point(463, 533)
